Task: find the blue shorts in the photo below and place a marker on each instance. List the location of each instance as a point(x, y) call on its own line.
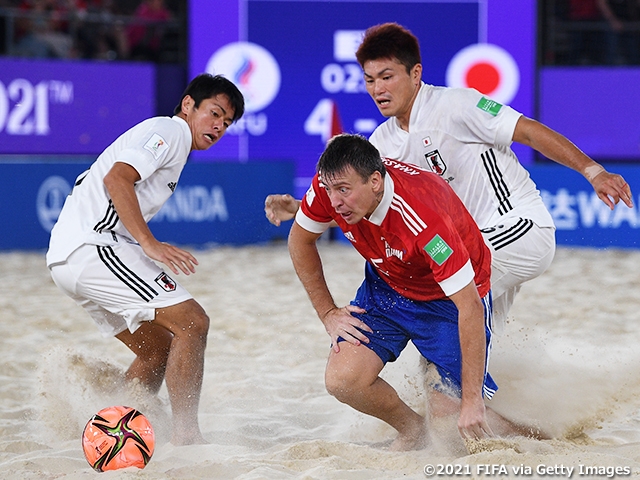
point(431, 326)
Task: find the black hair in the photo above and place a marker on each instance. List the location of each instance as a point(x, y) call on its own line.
point(206, 86)
point(350, 150)
point(392, 41)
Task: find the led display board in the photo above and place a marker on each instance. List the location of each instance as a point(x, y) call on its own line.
point(294, 61)
point(70, 107)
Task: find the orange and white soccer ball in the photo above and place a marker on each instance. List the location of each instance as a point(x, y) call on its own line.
point(118, 437)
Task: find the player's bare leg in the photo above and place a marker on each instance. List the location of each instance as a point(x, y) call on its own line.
point(189, 325)
point(441, 405)
point(352, 377)
point(151, 344)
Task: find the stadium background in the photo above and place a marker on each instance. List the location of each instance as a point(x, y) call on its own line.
point(294, 62)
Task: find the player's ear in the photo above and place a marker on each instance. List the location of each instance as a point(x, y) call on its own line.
point(377, 181)
point(416, 72)
point(187, 104)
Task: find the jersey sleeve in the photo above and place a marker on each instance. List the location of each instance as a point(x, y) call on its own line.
point(151, 150)
point(476, 117)
point(447, 256)
point(314, 212)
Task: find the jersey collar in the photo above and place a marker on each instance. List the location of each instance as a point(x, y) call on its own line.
point(381, 210)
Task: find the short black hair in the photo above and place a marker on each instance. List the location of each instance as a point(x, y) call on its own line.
point(350, 150)
point(389, 41)
point(206, 86)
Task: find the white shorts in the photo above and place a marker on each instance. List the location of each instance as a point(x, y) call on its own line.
point(118, 285)
point(521, 251)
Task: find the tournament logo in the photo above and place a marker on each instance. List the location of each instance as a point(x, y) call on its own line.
point(156, 145)
point(252, 68)
point(166, 282)
point(435, 162)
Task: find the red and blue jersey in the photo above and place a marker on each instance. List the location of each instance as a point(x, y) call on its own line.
point(421, 238)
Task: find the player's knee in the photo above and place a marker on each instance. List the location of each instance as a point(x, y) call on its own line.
point(341, 383)
point(195, 320)
point(199, 324)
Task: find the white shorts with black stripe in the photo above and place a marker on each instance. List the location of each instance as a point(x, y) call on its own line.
point(521, 251)
point(118, 285)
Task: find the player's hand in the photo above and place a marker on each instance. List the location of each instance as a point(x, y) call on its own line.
point(472, 423)
point(280, 208)
point(173, 257)
point(611, 188)
point(340, 323)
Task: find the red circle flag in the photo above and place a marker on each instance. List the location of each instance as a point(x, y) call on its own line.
point(486, 67)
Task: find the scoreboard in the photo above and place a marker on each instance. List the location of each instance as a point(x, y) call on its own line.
point(294, 61)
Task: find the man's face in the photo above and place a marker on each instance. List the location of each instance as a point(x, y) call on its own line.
point(391, 86)
point(209, 122)
point(351, 196)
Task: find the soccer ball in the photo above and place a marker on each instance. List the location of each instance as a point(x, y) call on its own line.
point(118, 437)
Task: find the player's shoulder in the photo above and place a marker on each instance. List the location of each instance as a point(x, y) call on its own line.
point(456, 96)
point(173, 130)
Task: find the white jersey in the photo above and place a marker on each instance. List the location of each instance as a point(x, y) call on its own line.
point(465, 137)
point(158, 149)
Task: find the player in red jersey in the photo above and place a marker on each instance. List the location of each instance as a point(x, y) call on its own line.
point(427, 280)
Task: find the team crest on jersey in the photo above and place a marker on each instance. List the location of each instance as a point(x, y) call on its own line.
point(156, 145)
point(166, 282)
point(435, 162)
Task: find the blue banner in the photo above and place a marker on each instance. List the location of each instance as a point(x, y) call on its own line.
point(214, 203)
point(581, 218)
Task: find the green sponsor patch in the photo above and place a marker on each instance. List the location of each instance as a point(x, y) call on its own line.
point(438, 249)
point(489, 106)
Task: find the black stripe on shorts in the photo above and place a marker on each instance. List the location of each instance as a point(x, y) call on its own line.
point(518, 230)
point(125, 274)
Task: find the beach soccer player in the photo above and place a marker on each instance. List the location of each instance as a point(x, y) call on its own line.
point(102, 253)
point(465, 138)
point(427, 279)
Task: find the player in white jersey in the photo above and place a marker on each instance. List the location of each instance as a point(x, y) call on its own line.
point(102, 253)
point(466, 137)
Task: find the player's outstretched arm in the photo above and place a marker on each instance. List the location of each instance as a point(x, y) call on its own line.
point(120, 182)
point(280, 208)
point(610, 187)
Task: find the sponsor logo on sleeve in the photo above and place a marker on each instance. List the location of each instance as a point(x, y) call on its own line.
point(156, 145)
point(438, 250)
point(490, 106)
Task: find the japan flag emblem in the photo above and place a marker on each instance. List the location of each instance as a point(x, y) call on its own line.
point(166, 282)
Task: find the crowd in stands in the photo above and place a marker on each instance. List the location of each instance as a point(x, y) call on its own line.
point(145, 30)
point(591, 32)
point(573, 32)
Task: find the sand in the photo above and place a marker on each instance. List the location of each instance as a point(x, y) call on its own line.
point(567, 362)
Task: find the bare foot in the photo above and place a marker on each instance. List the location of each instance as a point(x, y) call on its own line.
point(416, 439)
